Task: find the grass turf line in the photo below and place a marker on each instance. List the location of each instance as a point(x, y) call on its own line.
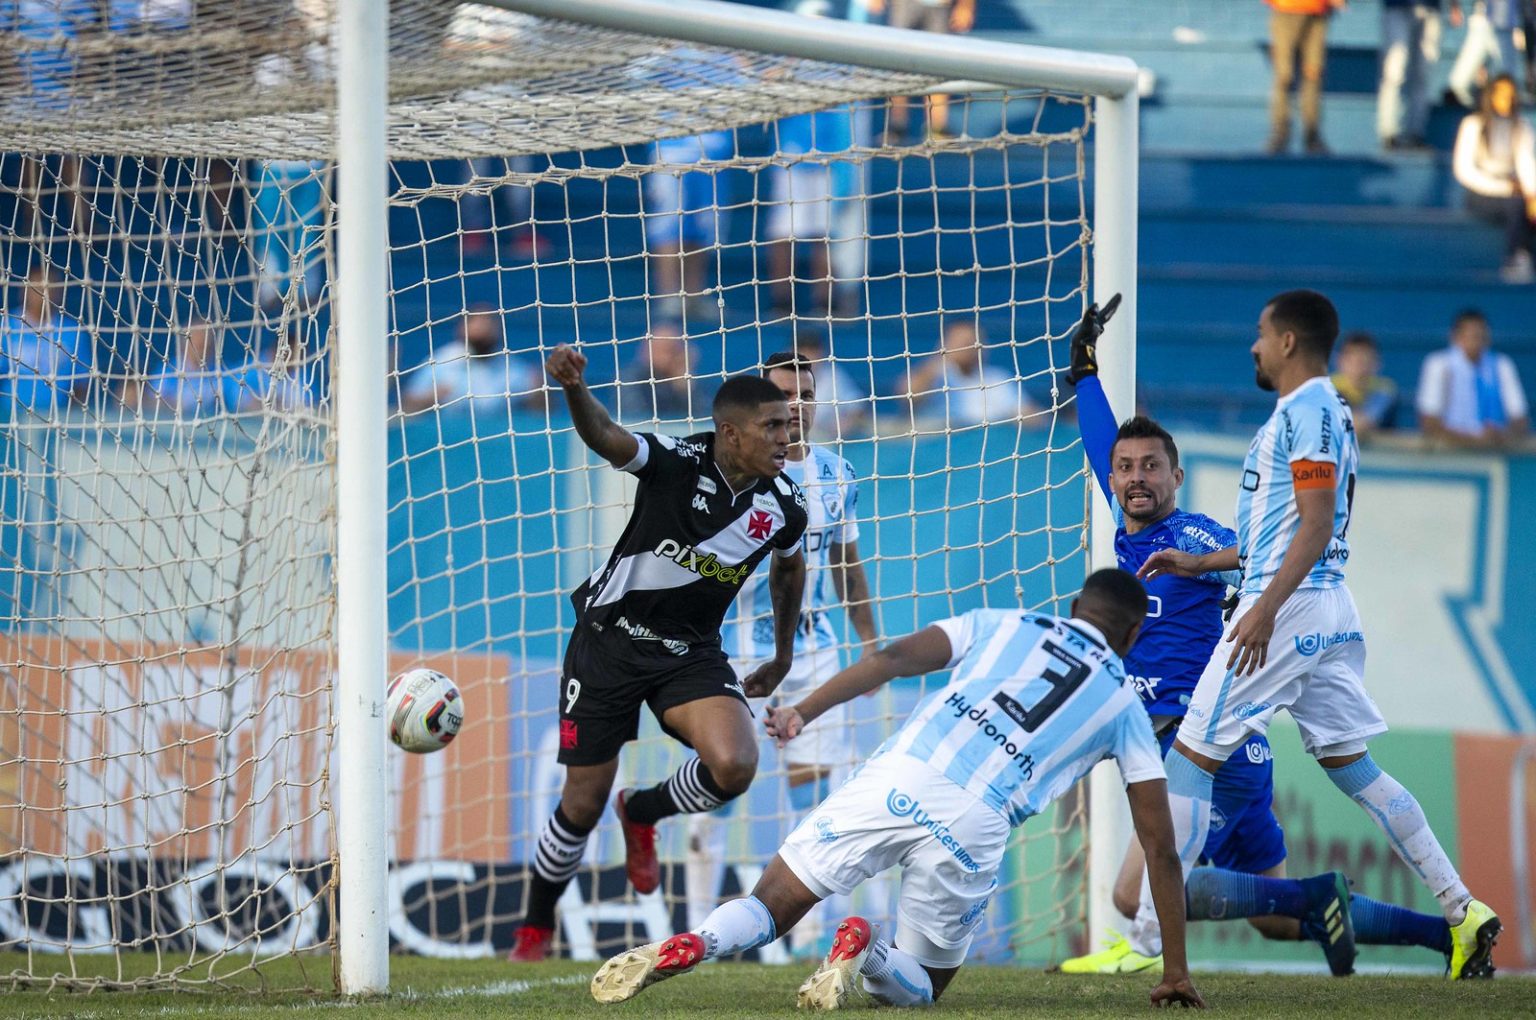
point(449, 990)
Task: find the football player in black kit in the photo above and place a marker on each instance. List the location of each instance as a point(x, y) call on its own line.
point(709, 508)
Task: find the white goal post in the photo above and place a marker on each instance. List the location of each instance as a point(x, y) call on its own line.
point(279, 279)
point(360, 413)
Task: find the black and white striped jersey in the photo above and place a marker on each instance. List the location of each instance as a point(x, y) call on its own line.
point(689, 544)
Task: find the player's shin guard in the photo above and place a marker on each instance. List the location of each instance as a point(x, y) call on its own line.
point(1189, 798)
point(894, 978)
point(555, 862)
point(735, 927)
point(1399, 815)
point(689, 790)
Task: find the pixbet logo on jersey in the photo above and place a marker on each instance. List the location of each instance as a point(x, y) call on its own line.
point(705, 566)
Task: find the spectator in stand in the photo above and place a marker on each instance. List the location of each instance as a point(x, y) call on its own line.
point(1372, 397)
point(1491, 29)
point(194, 386)
point(1495, 160)
point(47, 357)
point(475, 373)
point(1298, 34)
point(1470, 395)
point(1410, 49)
point(660, 385)
point(683, 219)
point(800, 211)
point(941, 16)
point(958, 387)
point(836, 390)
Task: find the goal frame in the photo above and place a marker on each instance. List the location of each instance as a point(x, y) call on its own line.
point(362, 286)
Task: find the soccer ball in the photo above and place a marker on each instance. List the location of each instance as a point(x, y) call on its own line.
point(425, 711)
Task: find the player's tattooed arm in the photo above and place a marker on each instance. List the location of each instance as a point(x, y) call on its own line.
point(852, 586)
point(924, 652)
point(603, 436)
point(1154, 829)
point(786, 587)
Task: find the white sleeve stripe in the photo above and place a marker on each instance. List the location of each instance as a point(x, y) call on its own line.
point(642, 454)
point(790, 551)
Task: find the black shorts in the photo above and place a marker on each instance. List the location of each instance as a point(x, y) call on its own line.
point(604, 681)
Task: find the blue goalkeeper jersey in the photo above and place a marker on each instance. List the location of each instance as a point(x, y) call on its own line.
point(1183, 613)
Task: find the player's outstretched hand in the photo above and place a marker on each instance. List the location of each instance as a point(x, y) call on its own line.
point(1170, 561)
point(565, 365)
point(764, 680)
point(1177, 993)
point(783, 723)
point(1085, 342)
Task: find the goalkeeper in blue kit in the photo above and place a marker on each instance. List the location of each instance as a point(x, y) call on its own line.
point(1137, 467)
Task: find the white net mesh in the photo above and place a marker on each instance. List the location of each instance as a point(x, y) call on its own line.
point(681, 212)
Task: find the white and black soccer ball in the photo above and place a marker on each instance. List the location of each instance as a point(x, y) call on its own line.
point(425, 711)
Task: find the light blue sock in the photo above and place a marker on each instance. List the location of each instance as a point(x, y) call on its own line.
point(1189, 798)
point(894, 978)
point(737, 926)
point(1398, 814)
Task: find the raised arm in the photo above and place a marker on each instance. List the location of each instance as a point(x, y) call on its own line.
point(1154, 829)
point(1095, 417)
point(913, 655)
point(603, 436)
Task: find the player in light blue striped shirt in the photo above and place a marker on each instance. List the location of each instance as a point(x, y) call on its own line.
point(1033, 703)
point(1296, 640)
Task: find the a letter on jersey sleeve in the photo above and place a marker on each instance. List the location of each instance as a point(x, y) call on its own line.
point(1136, 748)
point(961, 631)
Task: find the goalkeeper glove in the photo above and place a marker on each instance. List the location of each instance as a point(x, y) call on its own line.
point(1085, 342)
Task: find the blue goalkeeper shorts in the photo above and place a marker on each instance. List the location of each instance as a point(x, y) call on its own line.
point(1245, 835)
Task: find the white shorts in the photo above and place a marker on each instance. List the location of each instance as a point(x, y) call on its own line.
point(827, 740)
point(898, 810)
point(802, 203)
point(1315, 670)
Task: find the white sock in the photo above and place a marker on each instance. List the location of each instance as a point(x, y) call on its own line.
point(704, 869)
point(894, 978)
point(735, 927)
point(1399, 815)
point(1189, 800)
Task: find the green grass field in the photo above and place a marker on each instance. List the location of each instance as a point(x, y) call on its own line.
point(446, 990)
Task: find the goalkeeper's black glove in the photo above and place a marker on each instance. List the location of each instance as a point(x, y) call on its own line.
point(1085, 342)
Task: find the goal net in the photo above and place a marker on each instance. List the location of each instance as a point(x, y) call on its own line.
point(677, 209)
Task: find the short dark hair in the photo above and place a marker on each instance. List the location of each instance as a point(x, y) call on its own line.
point(1142, 427)
point(1467, 315)
point(1309, 315)
point(792, 360)
point(1359, 338)
point(743, 393)
point(1114, 596)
